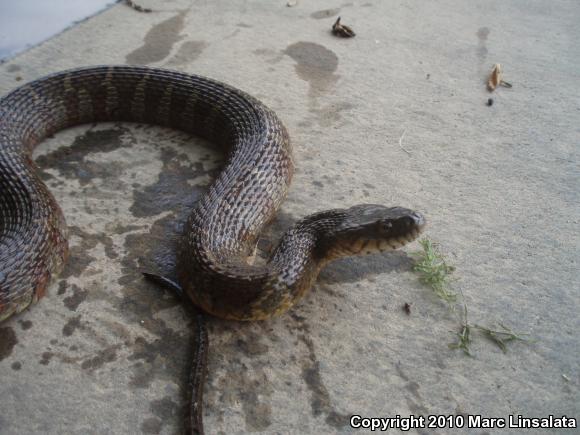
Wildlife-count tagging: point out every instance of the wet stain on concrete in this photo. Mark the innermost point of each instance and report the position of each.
(251, 347)
(165, 410)
(17, 365)
(173, 189)
(151, 426)
(187, 53)
(79, 258)
(158, 41)
(257, 413)
(70, 161)
(245, 382)
(90, 241)
(77, 262)
(73, 301)
(331, 114)
(104, 356)
(482, 34)
(71, 326)
(25, 324)
(325, 13)
(165, 356)
(46, 357)
(7, 341)
(13, 68)
(315, 64)
(320, 402)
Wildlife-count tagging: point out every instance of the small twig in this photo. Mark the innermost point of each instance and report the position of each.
(401, 142)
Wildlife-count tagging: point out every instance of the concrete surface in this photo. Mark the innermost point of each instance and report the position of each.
(106, 352)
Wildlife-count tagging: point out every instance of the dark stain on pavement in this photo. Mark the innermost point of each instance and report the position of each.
(79, 258)
(73, 301)
(482, 34)
(151, 426)
(315, 64)
(187, 53)
(104, 356)
(25, 324)
(165, 410)
(46, 357)
(158, 41)
(320, 402)
(173, 190)
(70, 160)
(240, 355)
(71, 326)
(13, 68)
(7, 341)
(163, 357)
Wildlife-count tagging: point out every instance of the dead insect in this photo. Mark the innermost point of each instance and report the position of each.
(407, 308)
(342, 30)
(490, 102)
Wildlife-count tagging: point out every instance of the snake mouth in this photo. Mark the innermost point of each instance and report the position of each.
(399, 241)
(396, 243)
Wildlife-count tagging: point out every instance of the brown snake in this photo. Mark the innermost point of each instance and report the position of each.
(222, 230)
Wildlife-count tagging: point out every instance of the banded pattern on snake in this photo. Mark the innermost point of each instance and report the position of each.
(221, 231)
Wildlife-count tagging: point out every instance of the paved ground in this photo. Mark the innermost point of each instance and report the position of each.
(106, 352)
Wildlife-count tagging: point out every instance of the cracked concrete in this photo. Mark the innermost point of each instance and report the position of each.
(106, 352)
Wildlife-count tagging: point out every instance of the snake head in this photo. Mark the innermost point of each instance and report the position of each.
(370, 228)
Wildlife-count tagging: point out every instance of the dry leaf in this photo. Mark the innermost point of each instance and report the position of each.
(494, 78)
(342, 30)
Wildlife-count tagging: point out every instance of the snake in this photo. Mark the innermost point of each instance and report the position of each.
(214, 266)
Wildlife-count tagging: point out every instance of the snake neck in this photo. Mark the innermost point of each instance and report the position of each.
(240, 291)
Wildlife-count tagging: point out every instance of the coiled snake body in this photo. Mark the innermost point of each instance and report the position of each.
(221, 231)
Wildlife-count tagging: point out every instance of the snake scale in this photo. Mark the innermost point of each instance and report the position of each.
(222, 230)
